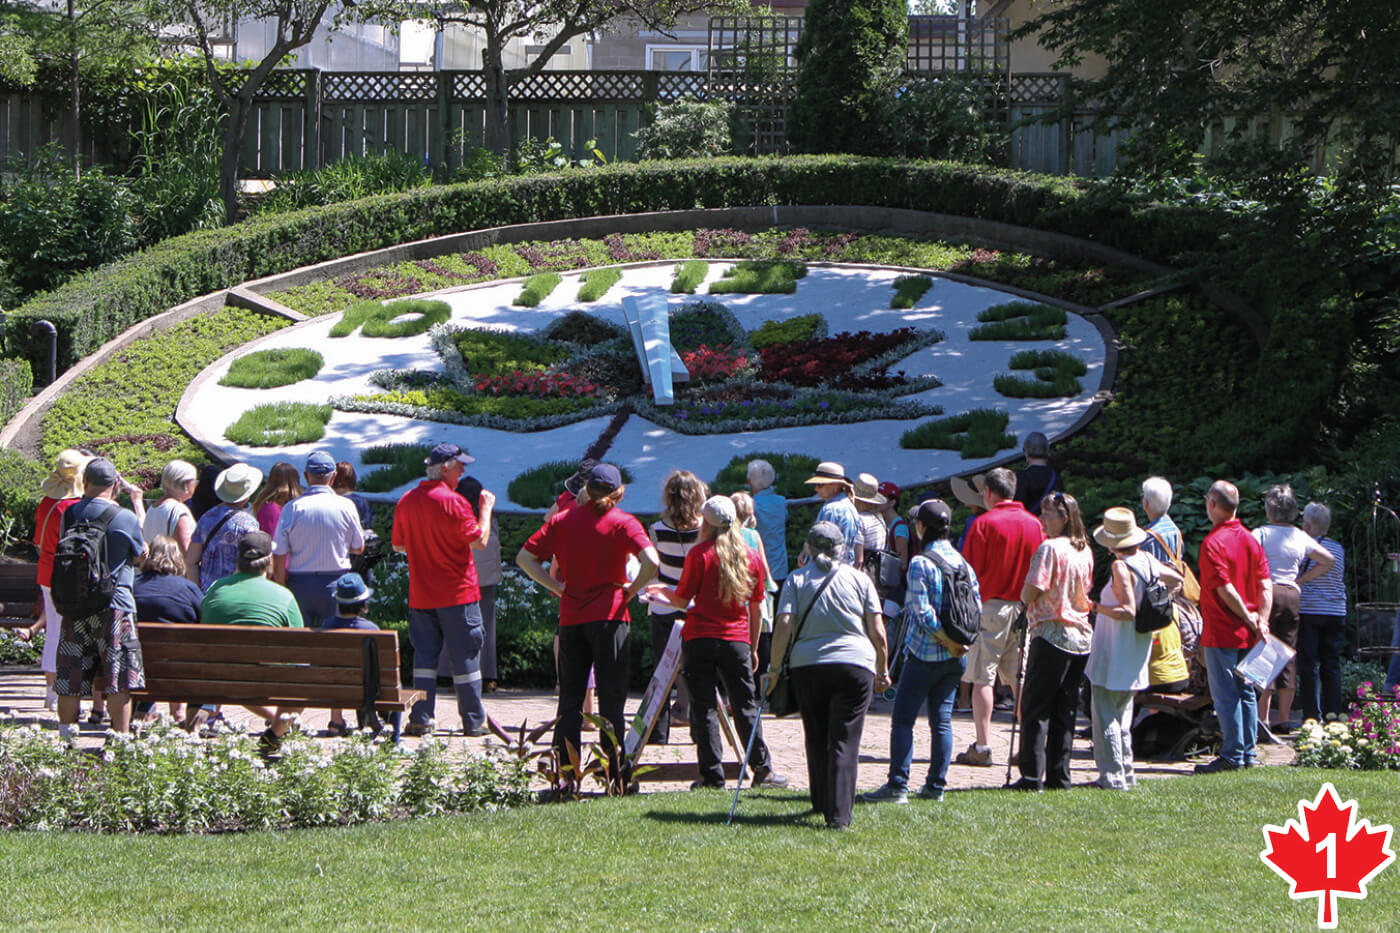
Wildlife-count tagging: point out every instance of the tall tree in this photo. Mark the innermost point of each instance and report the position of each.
(198, 23)
(849, 54)
(555, 22)
(1174, 69)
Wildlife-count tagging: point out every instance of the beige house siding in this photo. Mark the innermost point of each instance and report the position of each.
(1027, 55)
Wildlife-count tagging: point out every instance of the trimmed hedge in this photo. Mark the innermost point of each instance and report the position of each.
(94, 307)
(16, 385)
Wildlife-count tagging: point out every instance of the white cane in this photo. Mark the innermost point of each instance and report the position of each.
(744, 765)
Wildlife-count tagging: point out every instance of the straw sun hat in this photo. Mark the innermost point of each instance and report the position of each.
(1119, 529)
(66, 480)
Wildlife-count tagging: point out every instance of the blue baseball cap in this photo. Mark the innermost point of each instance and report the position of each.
(320, 463)
(350, 589)
(606, 476)
(448, 451)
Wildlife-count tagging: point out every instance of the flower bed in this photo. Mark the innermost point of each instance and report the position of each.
(169, 781)
(267, 369)
(977, 433)
(373, 319)
(843, 360)
(280, 424)
(1368, 740)
(1056, 375)
(1020, 320)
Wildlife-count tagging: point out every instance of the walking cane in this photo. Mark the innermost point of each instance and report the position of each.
(743, 765)
(1024, 625)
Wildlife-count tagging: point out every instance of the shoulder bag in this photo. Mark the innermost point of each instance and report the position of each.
(782, 700)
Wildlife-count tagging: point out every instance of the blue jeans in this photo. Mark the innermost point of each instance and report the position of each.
(458, 629)
(934, 682)
(1319, 660)
(1235, 705)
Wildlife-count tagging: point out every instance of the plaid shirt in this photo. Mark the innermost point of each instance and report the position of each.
(841, 512)
(923, 597)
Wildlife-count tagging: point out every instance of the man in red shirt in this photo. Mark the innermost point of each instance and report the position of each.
(588, 547)
(999, 548)
(1236, 596)
(438, 530)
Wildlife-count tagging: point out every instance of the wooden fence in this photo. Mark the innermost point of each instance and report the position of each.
(307, 119)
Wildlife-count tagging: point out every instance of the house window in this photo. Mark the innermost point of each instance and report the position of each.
(676, 58)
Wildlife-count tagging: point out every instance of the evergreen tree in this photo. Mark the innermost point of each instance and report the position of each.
(849, 56)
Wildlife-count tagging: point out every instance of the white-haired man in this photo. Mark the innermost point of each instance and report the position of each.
(1163, 537)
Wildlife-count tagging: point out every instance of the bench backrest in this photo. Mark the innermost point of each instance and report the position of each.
(264, 665)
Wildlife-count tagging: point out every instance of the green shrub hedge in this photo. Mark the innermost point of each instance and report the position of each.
(16, 385)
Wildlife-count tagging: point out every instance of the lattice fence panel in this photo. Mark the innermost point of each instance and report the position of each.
(940, 44)
(378, 86)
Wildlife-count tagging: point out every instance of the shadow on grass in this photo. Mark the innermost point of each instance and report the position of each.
(791, 801)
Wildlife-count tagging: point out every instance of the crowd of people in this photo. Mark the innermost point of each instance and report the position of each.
(862, 610)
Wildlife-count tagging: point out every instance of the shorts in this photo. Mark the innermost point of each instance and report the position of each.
(1283, 625)
(990, 653)
(104, 643)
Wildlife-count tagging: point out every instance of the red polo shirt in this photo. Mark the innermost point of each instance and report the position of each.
(590, 554)
(48, 521)
(1230, 554)
(436, 527)
(710, 617)
(999, 547)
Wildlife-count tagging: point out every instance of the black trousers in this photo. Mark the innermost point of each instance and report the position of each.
(604, 646)
(832, 699)
(706, 663)
(1320, 653)
(1048, 702)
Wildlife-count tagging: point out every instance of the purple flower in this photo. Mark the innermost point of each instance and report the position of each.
(823, 404)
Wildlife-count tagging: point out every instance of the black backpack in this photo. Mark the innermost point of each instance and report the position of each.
(960, 614)
(82, 582)
(1156, 609)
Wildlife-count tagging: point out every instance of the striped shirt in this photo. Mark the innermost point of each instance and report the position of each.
(671, 546)
(923, 598)
(1165, 529)
(841, 512)
(1327, 595)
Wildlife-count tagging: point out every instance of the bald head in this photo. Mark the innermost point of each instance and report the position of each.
(1223, 501)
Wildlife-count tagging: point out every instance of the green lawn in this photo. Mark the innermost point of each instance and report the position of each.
(1177, 855)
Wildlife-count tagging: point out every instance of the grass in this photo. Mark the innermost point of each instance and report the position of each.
(401, 464)
(378, 320)
(539, 486)
(280, 424)
(791, 470)
(689, 275)
(977, 433)
(537, 288)
(267, 369)
(1020, 320)
(760, 277)
(790, 330)
(908, 289)
(1179, 855)
(495, 353)
(1056, 375)
(596, 283)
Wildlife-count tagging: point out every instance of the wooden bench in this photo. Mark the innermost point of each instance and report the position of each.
(19, 587)
(257, 665)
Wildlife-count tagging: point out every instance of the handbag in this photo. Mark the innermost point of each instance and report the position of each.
(782, 699)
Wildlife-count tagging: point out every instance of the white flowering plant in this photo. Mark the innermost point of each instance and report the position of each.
(167, 780)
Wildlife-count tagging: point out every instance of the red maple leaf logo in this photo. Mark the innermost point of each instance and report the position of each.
(1335, 858)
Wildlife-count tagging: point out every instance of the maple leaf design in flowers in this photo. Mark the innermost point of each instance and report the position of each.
(1326, 853)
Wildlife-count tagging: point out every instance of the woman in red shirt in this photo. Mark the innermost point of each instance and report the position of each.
(724, 578)
(587, 548)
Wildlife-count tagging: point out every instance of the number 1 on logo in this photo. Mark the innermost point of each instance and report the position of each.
(1329, 843)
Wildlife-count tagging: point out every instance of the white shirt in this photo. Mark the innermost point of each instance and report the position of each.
(1285, 547)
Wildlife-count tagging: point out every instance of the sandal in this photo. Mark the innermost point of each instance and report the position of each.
(95, 718)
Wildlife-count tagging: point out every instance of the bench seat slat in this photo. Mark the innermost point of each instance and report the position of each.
(235, 635)
(336, 656)
(270, 673)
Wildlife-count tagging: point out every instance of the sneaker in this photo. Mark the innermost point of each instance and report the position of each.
(1217, 766)
(416, 730)
(1025, 785)
(767, 777)
(95, 718)
(981, 758)
(886, 793)
(68, 734)
(269, 745)
(929, 792)
(703, 784)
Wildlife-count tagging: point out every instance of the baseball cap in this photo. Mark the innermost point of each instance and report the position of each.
(254, 545)
(448, 451)
(933, 514)
(605, 475)
(100, 472)
(320, 463)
